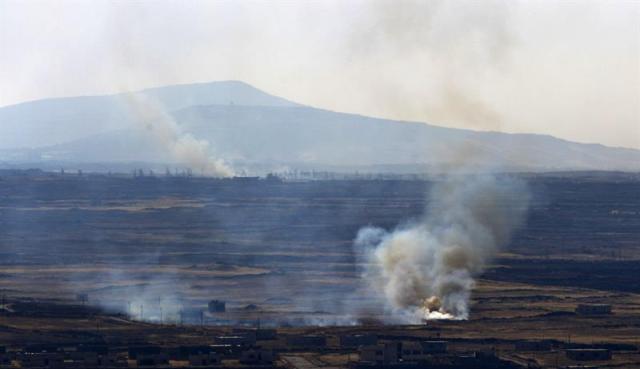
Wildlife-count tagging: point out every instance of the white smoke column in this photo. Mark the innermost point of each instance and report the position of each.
(425, 270)
(183, 147)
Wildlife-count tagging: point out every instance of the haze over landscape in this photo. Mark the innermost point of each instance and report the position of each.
(363, 184)
(566, 69)
(249, 127)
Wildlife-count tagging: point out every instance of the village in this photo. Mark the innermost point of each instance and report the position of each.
(79, 336)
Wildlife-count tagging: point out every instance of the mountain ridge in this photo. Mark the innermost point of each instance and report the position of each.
(32, 124)
(244, 124)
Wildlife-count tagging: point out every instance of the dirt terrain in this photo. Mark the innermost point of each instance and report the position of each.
(281, 253)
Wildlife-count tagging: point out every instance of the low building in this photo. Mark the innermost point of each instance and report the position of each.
(412, 352)
(379, 354)
(191, 316)
(434, 347)
(257, 356)
(95, 360)
(41, 360)
(203, 358)
(236, 340)
(226, 350)
(217, 306)
(588, 354)
(420, 351)
(357, 340)
(307, 342)
(593, 309)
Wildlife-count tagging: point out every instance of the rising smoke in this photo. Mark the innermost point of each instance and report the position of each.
(155, 297)
(183, 147)
(455, 50)
(425, 270)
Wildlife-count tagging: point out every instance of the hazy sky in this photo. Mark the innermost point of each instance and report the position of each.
(569, 69)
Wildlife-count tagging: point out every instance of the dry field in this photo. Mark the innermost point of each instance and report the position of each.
(282, 253)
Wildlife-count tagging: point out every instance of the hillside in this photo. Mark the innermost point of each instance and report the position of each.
(245, 125)
(55, 121)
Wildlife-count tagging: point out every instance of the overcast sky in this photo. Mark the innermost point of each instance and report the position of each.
(569, 69)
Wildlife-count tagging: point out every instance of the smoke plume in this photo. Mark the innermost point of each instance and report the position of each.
(453, 48)
(425, 270)
(182, 146)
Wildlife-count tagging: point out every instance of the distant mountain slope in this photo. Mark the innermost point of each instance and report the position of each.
(245, 125)
(304, 134)
(214, 93)
(53, 121)
(289, 135)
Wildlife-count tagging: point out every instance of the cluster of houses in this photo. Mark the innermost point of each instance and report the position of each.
(55, 356)
(395, 352)
(240, 345)
(575, 354)
(243, 347)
